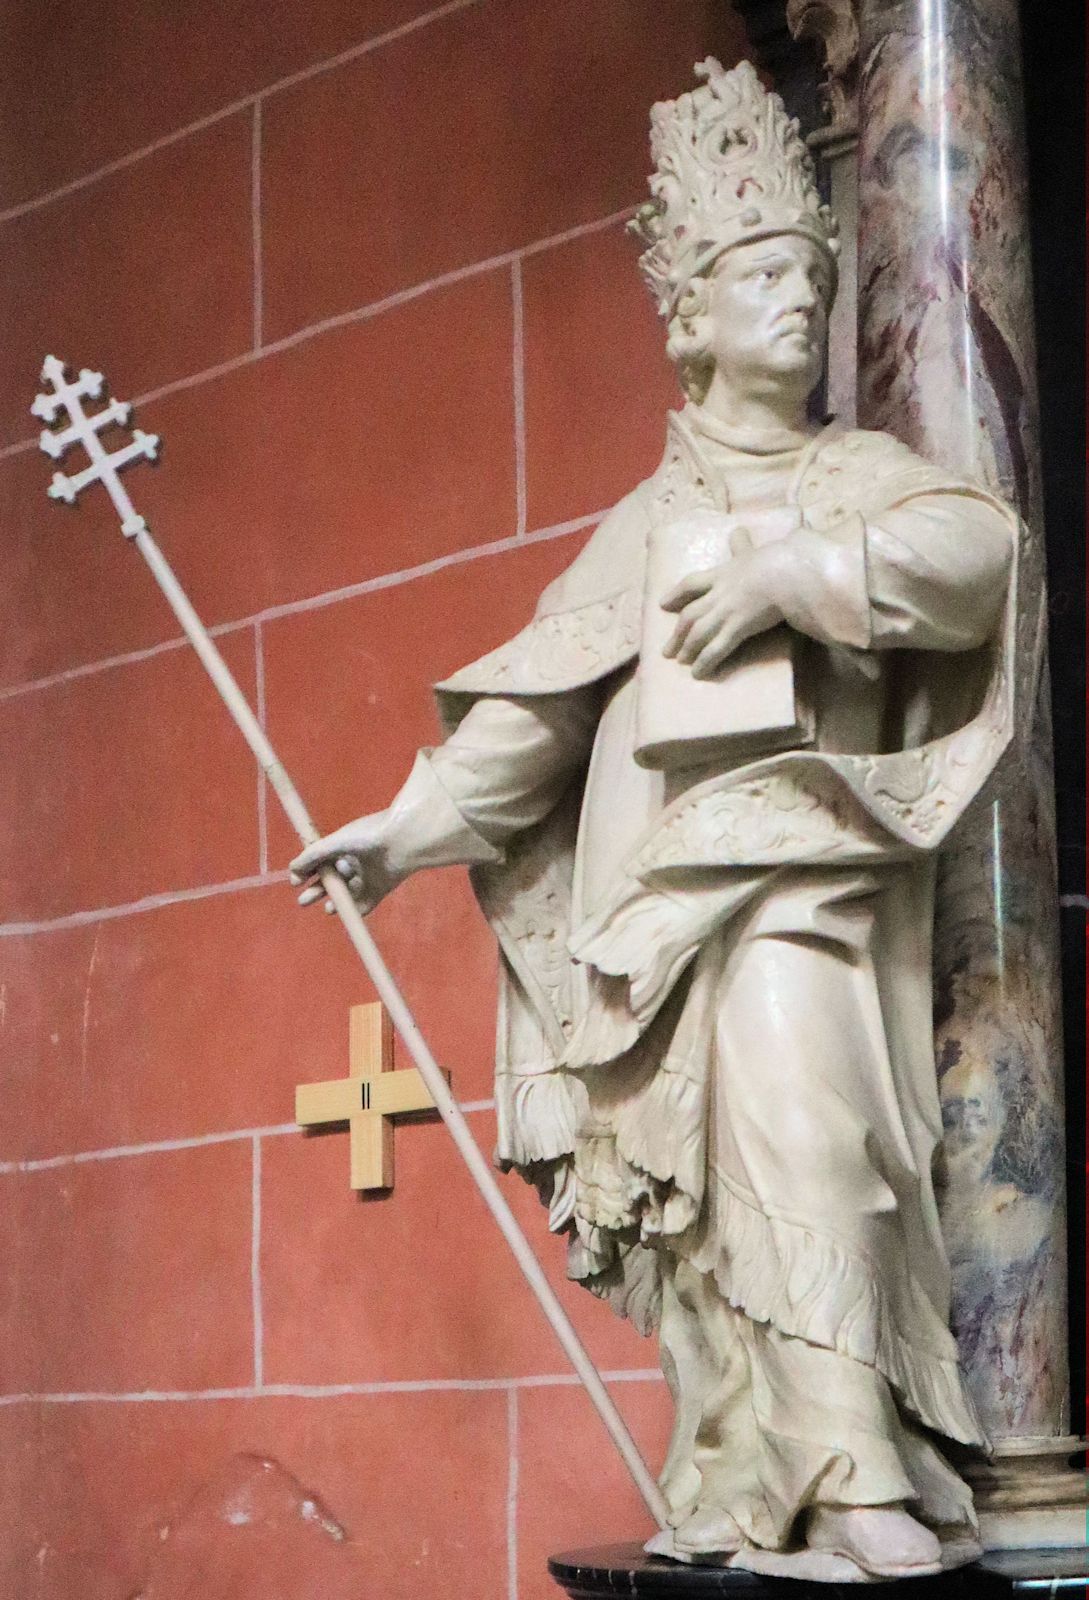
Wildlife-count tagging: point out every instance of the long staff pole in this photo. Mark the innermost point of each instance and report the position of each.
(105, 470)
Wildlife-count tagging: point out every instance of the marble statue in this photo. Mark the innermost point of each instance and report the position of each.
(700, 795)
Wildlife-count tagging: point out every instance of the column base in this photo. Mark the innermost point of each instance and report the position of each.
(1030, 1497)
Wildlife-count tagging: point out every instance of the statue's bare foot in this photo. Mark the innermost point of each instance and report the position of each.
(709, 1531)
(884, 1540)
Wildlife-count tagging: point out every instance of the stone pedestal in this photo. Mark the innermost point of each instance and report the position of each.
(624, 1570)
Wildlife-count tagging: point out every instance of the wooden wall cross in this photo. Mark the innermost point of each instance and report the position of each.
(367, 1099)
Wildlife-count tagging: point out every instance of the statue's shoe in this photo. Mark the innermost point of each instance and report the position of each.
(884, 1541)
(708, 1531)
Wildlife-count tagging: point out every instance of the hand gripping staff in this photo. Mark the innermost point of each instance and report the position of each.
(105, 466)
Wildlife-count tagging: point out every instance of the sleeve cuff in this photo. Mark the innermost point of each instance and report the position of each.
(822, 588)
(424, 828)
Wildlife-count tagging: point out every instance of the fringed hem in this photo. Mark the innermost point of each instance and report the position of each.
(639, 1170)
(538, 1115)
(810, 1287)
(630, 1280)
(659, 1134)
(608, 1027)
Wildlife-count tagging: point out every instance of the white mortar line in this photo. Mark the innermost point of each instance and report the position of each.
(85, 1031)
(255, 227)
(70, 674)
(276, 1130)
(456, 558)
(151, 1148)
(1081, 901)
(581, 230)
(151, 902)
(125, 1397)
(329, 1391)
(126, 658)
(18, 449)
(512, 1494)
(255, 1270)
(193, 380)
(542, 1380)
(378, 42)
(241, 104)
(317, 602)
(262, 782)
(519, 361)
(401, 297)
(121, 163)
(365, 313)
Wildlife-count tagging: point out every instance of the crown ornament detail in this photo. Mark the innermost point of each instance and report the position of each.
(731, 167)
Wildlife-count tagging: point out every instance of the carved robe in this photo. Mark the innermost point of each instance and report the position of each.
(714, 1051)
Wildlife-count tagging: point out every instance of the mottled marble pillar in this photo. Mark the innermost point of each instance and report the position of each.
(947, 362)
(833, 26)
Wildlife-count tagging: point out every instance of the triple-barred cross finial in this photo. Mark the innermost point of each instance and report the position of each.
(86, 429)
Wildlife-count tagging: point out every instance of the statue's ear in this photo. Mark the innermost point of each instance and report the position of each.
(695, 303)
(689, 326)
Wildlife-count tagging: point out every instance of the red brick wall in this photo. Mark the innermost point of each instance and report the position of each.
(362, 267)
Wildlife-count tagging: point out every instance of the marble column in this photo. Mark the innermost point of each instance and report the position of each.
(946, 361)
(833, 26)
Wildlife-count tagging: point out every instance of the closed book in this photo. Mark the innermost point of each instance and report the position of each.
(755, 703)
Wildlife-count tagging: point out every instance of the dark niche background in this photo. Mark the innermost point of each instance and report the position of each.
(1054, 53)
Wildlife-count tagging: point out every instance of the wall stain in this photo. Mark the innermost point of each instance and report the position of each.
(252, 1531)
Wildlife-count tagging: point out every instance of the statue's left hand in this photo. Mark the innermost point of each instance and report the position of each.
(359, 853)
(722, 607)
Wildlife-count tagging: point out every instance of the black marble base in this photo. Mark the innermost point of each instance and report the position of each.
(623, 1569)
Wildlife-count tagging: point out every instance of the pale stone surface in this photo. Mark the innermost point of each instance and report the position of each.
(1037, 1527)
(756, 703)
(714, 1056)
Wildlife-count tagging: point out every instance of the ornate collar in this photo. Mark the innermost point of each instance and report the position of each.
(750, 441)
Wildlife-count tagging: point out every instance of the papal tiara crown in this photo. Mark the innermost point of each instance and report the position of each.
(731, 167)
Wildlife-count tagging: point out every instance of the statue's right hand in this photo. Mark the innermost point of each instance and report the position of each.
(358, 853)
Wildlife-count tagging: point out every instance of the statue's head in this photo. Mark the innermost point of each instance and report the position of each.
(739, 239)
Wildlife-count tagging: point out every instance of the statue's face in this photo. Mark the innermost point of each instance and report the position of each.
(769, 305)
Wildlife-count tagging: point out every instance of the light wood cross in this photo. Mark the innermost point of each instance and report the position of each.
(367, 1099)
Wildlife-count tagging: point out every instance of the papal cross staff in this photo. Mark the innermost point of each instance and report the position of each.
(105, 467)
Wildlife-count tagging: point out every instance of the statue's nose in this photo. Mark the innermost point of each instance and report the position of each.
(804, 293)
